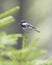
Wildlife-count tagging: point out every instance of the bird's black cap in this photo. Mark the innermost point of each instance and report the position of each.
(23, 21)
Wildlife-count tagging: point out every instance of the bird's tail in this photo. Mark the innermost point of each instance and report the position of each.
(36, 29)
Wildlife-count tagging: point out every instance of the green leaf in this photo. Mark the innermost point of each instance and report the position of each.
(6, 21)
(9, 12)
(9, 39)
(33, 55)
(2, 34)
(24, 41)
(13, 36)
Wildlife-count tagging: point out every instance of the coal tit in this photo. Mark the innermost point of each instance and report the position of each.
(27, 26)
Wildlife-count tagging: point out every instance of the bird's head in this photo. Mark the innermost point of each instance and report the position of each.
(23, 21)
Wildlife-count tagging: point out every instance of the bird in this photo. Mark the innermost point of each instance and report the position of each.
(27, 26)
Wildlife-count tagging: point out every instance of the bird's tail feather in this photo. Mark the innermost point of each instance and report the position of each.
(37, 30)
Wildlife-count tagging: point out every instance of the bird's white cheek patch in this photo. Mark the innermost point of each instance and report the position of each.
(24, 23)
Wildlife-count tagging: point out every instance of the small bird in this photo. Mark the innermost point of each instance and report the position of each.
(27, 26)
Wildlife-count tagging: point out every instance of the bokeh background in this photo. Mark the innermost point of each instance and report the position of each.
(36, 12)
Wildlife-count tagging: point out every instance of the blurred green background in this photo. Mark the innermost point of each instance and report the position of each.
(36, 12)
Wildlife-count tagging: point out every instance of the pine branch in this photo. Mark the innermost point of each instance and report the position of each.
(6, 21)
(9, 12)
